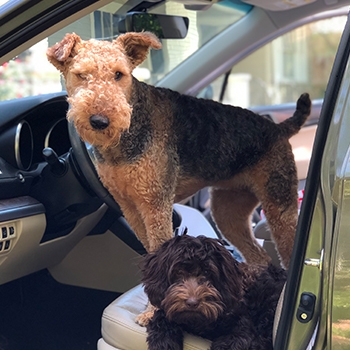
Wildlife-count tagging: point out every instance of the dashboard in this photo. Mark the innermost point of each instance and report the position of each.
(43, 194)
(31, 126)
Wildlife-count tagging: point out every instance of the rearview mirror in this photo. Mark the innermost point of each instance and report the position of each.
(163, 26)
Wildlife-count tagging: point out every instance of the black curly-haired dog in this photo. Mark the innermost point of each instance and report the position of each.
(199, 287)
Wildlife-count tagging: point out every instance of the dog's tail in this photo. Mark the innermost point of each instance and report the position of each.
(292, 125)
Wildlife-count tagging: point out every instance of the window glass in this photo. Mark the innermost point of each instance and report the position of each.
(31, 74)
(280, 71)
(204, 25)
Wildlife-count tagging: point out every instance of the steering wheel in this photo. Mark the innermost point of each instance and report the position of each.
(83, 159)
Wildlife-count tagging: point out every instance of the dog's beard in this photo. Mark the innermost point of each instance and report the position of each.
(192, 304)
(86, 103)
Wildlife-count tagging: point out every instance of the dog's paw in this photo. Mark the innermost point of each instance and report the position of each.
(145, 316)
(304, 103)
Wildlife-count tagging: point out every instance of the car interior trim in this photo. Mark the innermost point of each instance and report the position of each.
(20, 207)
(24, 145)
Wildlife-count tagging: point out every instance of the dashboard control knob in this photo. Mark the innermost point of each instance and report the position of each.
(56, 164)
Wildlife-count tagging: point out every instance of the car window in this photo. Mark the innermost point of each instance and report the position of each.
(298, 61)
(30, 73)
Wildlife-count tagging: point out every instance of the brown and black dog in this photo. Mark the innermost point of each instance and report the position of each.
(155, 146)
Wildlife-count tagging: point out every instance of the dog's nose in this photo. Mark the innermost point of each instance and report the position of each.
(192, 302)
(99, 122)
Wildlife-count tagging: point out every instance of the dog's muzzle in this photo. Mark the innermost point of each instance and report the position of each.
(99, 122)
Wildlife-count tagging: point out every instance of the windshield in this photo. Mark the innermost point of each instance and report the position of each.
(30, 74)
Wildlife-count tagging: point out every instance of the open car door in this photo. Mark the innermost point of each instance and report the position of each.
(316, 314)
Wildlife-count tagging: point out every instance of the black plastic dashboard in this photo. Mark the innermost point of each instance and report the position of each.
(28, 125)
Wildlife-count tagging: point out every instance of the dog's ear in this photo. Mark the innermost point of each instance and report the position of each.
(229, 278)
(231, 275)
(59, 53)
(137, 45)
(155, 270)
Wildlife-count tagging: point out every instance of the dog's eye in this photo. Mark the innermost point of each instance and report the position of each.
(118, 76)
(82, 76)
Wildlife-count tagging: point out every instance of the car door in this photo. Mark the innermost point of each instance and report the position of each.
(316, 312)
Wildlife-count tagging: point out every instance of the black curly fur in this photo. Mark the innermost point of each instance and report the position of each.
(244, 296)
(195, 126)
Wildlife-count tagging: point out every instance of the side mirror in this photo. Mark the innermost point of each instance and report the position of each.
(163, 26)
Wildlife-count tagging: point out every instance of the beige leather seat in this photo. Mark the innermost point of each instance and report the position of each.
(120, 332)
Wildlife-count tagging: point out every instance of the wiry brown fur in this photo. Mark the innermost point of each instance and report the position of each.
(199, 287)
(155, 146)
